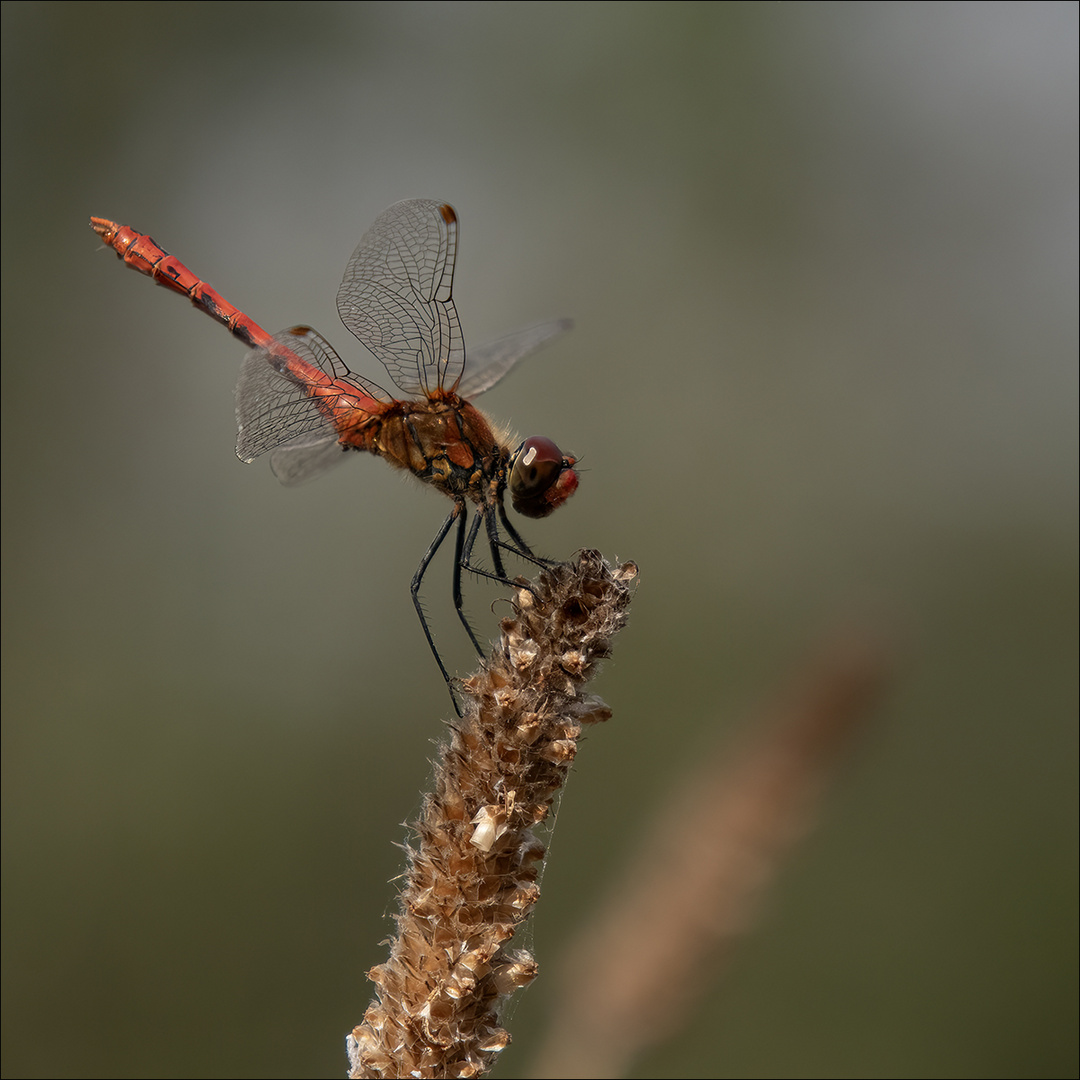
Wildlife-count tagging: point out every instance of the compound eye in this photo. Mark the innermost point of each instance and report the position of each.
(541, 478)
(537, 465)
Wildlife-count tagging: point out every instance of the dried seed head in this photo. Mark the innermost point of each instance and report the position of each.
(472, 877)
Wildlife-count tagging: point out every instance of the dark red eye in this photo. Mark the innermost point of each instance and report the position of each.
(541, 478)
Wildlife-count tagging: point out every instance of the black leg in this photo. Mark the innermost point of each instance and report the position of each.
(457, 514)
(464, 543)
(515, 536)
(474, 531)
(461, 549)
(519, 547)
(484, 516)
(495, 542)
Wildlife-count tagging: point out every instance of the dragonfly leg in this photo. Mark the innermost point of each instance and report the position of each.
(461, 547)
(495, 541)
(515, 536)
(518, 545)
(458, 515)
(484, 513)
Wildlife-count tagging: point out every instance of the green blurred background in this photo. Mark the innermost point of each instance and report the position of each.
(822, 263)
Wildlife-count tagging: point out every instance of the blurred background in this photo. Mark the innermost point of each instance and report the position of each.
(822, 262)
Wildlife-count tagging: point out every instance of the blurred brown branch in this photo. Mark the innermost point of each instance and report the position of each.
(633, 975)
(472, 876)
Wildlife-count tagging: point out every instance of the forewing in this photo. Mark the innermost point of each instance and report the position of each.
(490, 362)
(396, 295)
(274, 402)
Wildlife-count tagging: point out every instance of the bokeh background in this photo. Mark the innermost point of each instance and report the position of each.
(822, 260)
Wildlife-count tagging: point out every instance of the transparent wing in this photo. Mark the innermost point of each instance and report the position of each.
(303, 460)
(490, 362)
(396, 295)
(276, 399)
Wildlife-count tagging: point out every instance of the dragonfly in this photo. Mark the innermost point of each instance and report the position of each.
(298, 402)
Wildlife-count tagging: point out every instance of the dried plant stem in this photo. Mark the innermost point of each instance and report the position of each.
(631, 978)
(472, 876)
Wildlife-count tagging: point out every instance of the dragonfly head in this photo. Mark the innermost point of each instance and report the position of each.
(541, 477)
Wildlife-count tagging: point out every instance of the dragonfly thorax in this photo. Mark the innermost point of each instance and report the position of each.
(443, 441)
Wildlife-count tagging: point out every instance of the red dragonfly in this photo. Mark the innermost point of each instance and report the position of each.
(298, 402)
